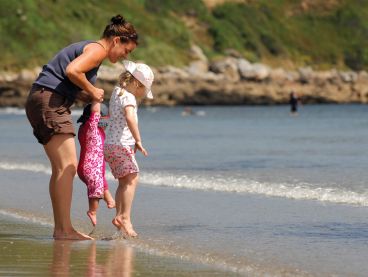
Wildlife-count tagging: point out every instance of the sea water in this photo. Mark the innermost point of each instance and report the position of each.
(250, 189)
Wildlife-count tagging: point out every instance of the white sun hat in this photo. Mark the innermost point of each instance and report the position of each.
(143, 73)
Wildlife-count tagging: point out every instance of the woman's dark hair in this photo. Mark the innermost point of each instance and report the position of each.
(85, 115)
(119, 27)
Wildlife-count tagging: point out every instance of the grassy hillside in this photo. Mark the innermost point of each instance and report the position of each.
(321, 33)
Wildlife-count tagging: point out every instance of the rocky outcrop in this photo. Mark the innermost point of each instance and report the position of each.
(231, 81)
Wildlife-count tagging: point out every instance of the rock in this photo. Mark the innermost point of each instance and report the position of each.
(196, 53)
(255, 72)
(306, 75)
(8, 76)
(232, 53)
(231, 81)
(244, 67)
(171, 72)
(363, 75)
(348, 77)
(228, 67)
(197, 68)
(199, 63)
(278, 75)
(28, 75)
(109, 73)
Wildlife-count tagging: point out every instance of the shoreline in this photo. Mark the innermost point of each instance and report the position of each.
(21, 250)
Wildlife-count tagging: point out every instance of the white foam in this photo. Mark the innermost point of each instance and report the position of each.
(232, 185)
(11, 110)
(39, 168)
(293, 191)
(22, 216)
(21, 111)
(77, 112)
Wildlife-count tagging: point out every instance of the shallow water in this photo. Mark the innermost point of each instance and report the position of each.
(23, 253)
(248, 190)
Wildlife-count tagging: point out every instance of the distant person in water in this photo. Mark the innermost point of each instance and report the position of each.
(187, 111)
(71, 74)
(294, 102)
(91, 166)
(122, 135)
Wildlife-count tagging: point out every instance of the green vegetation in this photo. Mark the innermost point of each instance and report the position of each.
(278, 32)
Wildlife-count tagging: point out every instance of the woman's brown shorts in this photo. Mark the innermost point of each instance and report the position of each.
(49, 113)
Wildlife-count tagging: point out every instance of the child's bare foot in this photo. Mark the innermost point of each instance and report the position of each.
(125, 226)
(109, 199)
(92, 216)
(72, 235)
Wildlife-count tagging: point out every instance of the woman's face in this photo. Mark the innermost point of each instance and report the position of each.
(120, 50)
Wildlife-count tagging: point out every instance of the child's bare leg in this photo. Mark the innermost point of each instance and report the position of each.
(109, 199)
(92, 211)
(124, 199)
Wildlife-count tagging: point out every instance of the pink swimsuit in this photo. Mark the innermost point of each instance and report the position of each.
(91, 166)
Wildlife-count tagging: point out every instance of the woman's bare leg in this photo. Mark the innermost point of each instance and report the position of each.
(62, 154)
(124, 200)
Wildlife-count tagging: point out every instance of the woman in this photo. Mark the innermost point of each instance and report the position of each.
(61, 81)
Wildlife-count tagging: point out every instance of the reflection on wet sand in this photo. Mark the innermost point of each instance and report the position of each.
(61, 258)
(120, 261)
(116, 260)
(93, 267)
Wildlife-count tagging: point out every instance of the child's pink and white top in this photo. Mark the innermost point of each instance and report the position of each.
(118, 132)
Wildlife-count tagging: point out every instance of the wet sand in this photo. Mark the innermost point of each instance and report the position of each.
(27, 250)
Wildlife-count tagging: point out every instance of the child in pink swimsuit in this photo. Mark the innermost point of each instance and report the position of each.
(91, 166)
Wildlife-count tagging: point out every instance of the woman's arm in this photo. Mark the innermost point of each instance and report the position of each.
(91, 57)
(133, 127)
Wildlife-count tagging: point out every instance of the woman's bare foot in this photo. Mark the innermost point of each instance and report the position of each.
(93, 217)
(125, 226)
(71, 235)
(109, 199)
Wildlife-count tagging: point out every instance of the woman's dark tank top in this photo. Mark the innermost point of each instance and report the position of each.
(53, 73)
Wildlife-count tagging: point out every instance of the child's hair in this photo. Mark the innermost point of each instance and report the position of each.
(104, 111)
(126, 78)
(85, 115)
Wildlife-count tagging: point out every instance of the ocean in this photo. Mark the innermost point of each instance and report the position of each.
(229, 190)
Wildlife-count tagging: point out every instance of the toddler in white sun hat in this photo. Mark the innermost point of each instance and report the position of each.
(123, 138)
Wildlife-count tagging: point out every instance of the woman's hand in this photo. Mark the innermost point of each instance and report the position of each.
(98, 95)
(138, 146)
(84, 97)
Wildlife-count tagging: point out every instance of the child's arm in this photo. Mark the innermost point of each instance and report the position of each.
(92, 121)
(133, 127)
(95, 107)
